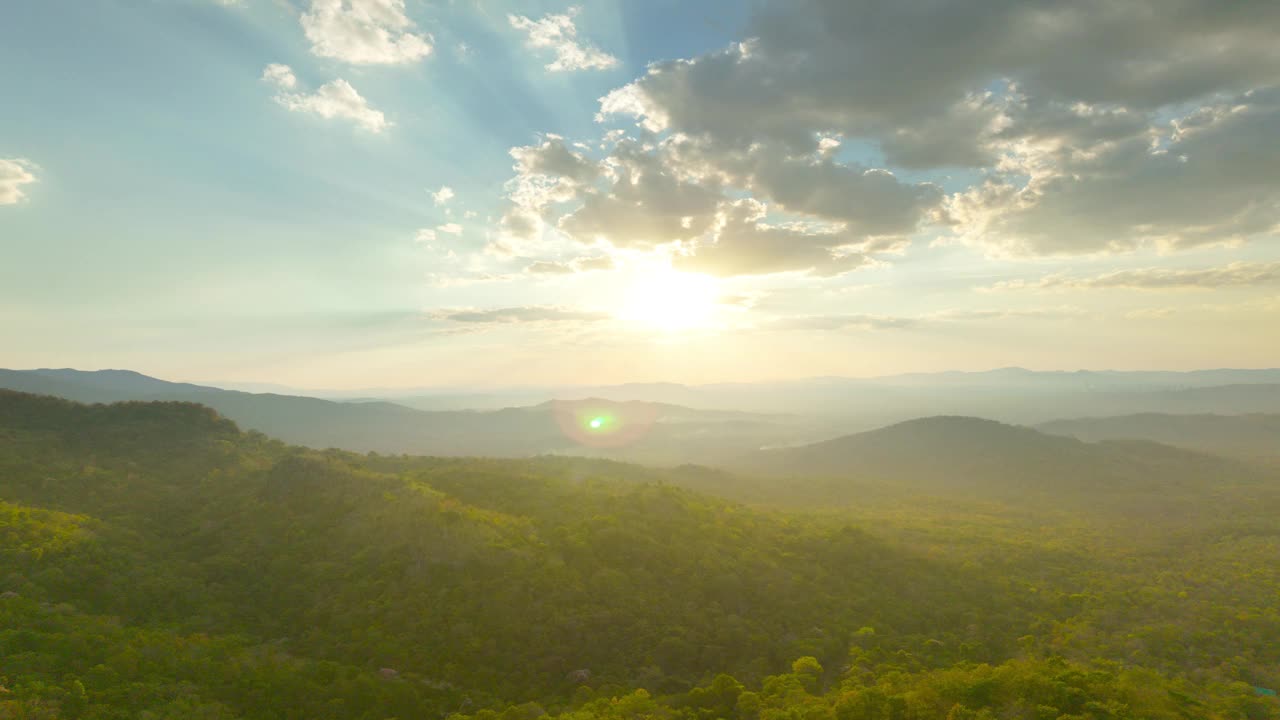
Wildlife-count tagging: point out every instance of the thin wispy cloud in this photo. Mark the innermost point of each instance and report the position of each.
(1237, 274)
(522, 314)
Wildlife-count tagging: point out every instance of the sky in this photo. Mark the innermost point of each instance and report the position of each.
(361, 193)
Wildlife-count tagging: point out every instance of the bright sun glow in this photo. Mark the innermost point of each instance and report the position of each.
(671, 301)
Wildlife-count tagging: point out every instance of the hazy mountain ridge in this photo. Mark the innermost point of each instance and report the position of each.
(1252, 435)
(972, 457)
(672, 434)
(724, 421)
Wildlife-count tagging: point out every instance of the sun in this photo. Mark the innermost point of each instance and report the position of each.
(671, 301)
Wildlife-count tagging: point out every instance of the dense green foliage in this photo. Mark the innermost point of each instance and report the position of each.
(157, 562)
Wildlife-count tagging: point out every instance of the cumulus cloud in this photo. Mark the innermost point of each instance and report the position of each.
(364, 32)
(1208, 178)
(643, 204)
(521, 314)
(743, 245)
(14, 173)
(443, 195)
(334, 99)
(680, 191)
(559, 34)
(871, 69)
(1237, 274)
(451, 228)
(1078, 151)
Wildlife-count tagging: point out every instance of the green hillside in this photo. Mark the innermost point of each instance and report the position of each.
(160, 563)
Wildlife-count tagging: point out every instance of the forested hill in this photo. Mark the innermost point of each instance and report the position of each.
(160, 563)
(484, 578)
(982, 459)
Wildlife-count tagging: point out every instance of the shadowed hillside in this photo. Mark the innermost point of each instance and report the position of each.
(986, 460)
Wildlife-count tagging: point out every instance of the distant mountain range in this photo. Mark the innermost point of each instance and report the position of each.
(971, 458)
(1009, 394)
(717, 424)
(656, 432)
(1247, 436)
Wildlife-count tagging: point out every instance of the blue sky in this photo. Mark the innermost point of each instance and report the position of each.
(169, 205)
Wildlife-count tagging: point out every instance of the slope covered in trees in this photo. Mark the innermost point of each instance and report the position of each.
(158, 562)
(967, 457)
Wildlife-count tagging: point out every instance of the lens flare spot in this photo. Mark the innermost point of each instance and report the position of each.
(596, 423)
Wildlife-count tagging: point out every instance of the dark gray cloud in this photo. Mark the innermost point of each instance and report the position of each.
(1209, 180)
(1067, 106)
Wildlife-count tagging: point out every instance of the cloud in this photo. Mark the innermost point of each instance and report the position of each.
(443, 195)
(973, 314)
(14, 173)
(334, 99)
(679, 191)
(1237, 274)
(577, 265)
(522, 314)
(545, 174)
(891, 322)
(549, 267)
(558, 33)
(451, 228)
(1206, 178)
(364, 32)
(841, 322)
(1076, 147)
(743, 245)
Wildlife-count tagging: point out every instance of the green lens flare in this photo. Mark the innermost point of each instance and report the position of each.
(596, 423)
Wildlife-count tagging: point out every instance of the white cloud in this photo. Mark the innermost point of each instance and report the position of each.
(281, 76)
(558, 33)
(14, 173)
(451, 228)
(364, 32)
(443, 195)
(425, 235)
(334, 99)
